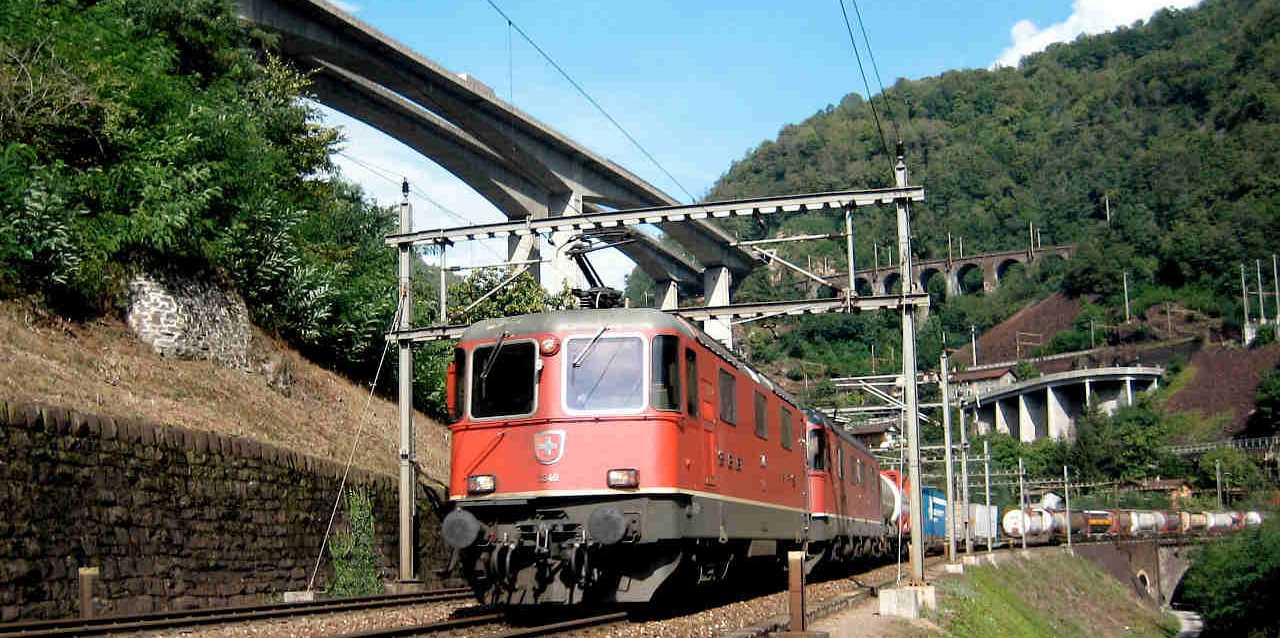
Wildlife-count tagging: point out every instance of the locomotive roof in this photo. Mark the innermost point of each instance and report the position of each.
(617, 319)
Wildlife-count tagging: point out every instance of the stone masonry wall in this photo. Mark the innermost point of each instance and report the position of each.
(174, 518)
(189, 318)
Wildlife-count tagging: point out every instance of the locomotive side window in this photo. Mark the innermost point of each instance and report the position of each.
(690, 382)
(817, 450)
(666, 372)
(786, 433)
(840, 461)
(459, 388)
(503, 381)
(604, 374)
(762, 425)
(858, 480)
(728, 398)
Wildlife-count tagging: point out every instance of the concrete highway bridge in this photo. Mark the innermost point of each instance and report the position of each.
(1049, 405)
(525, 168)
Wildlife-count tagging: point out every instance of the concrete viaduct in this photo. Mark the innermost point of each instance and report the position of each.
(993, 266)
(1049, 405)
(523, 167)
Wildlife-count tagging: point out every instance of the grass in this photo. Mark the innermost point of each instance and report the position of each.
(1052, 595)
(99, 367)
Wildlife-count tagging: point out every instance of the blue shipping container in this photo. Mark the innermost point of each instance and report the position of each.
(935, 512)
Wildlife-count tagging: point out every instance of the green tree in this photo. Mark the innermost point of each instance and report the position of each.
(1234, 583)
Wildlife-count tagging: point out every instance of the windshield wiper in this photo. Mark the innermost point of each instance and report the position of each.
(492, 359)
(577, 362)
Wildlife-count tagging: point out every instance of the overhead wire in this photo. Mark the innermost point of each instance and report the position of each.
(390, 176)
(875, 113)
(565, 74)
(857, 12)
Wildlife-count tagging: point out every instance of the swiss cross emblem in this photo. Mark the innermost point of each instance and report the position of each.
(548, 446)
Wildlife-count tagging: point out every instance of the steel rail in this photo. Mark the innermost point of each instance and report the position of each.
(103, 625)
(463, 623)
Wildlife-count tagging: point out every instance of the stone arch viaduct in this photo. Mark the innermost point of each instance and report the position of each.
(993, 266)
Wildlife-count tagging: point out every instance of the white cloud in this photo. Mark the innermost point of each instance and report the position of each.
(1087, 17)
(349, 7)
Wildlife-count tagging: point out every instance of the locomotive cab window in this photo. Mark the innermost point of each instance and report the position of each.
(786, 433)
(840, 461)
(690, 382)
(858, 476)
(817, 450)
(604, 374)
(666, 372)
(503, 379)
(728, 398)
(458, 385)
(762, 425)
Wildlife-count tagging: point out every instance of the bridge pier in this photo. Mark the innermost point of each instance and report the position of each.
(669, 293)
(952, 276)
(717, 281)
(1060, 426)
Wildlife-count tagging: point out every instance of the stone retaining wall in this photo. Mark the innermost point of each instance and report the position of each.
(174, 518)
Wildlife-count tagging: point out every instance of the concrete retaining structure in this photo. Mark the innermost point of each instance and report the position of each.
(189, 318)
(174, 518)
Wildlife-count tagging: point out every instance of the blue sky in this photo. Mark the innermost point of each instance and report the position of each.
(698, 83)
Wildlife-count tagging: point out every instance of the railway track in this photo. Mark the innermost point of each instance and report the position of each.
(106, 625)
(453, 625)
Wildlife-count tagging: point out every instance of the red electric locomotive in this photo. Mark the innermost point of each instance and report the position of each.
(598, 454)
(850, 516)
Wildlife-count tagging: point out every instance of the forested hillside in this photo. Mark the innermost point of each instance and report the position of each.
(166, 135)
(1175, 121)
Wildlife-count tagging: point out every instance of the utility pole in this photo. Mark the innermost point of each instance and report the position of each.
(1262, 307)
(848, 243)
(911, 411)
(973, 342)
(1275, 279)
(943, 373)
(964, 481)
(875, 250)
(1022, 502)
(1244, 293)
(1066, 494)
(1092, 344)
(1126, 296)
(950, 257)
(1217, 471)
(408, 458)
(1106, 199)
(986, 513)
(962, 247)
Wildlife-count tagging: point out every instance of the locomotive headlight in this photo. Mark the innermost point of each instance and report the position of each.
(481, 484)
(623, 478)
(549, 346)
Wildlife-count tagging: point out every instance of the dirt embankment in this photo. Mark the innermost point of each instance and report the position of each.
(283, 399)
(1223, 384)
(1039, 321)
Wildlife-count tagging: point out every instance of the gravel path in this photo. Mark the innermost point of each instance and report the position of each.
(324, 624)
(720, 619)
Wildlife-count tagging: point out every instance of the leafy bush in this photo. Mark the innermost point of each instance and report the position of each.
(355, 569)
(1234, 583)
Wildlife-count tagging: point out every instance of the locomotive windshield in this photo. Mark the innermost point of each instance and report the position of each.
(609, 376)
(508, 387)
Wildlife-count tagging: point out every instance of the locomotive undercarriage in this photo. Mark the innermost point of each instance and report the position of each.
(609, 549)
